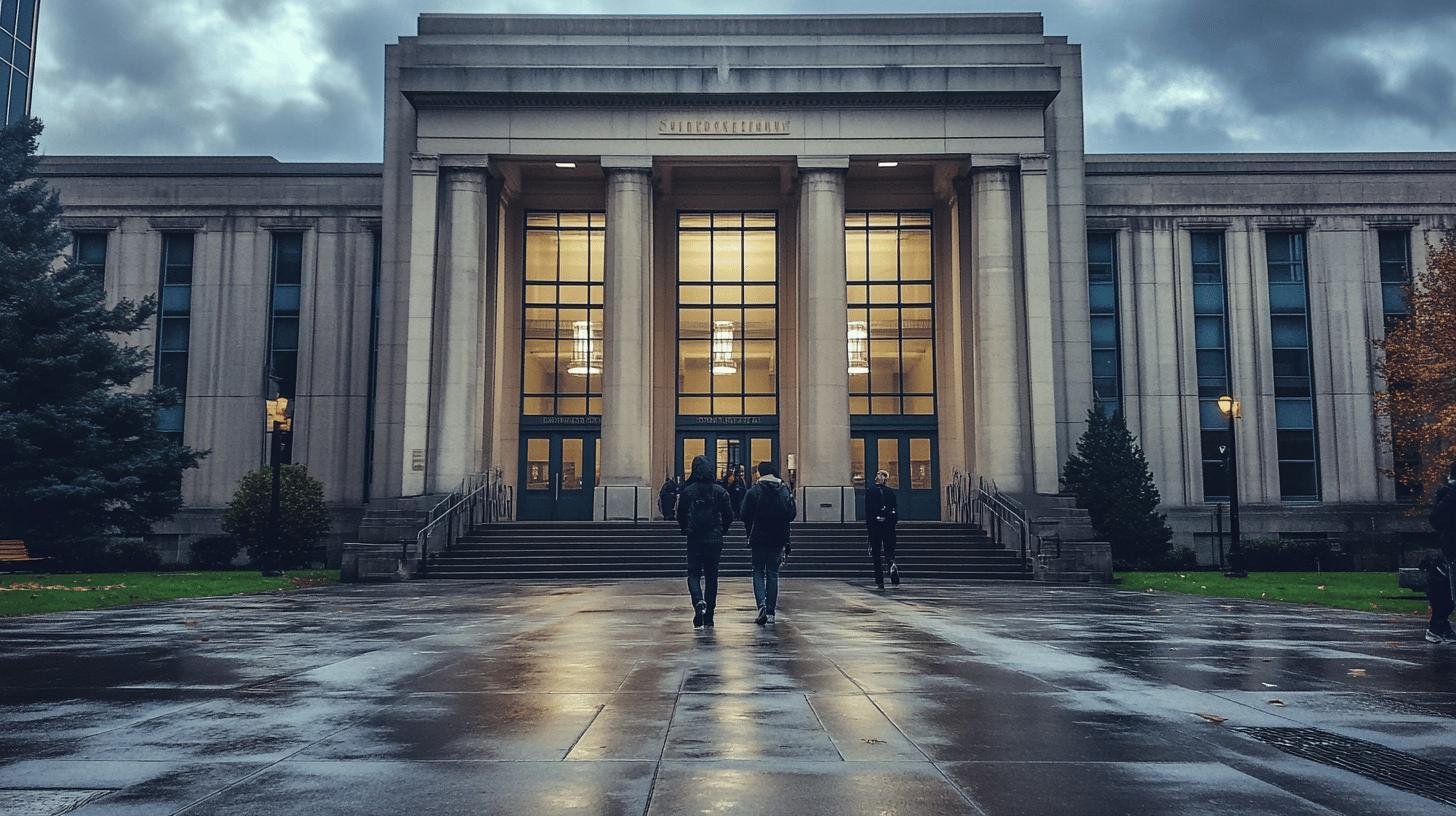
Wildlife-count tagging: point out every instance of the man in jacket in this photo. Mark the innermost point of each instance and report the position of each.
(880, 517)
(768, 507)
(704, 515)
(667, 498)
(1439, 588)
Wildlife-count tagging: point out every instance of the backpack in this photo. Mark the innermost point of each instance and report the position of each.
(775, 507)
(1443, 511)
(703, 518)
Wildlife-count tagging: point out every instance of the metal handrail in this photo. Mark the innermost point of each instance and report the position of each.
(1002, 516)
(453, 515)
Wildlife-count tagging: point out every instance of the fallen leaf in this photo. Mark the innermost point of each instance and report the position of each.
(1263, 595)
(1356, 672)
(205, 638)
(1269, 685)
(872, 741)
(1320, 587)
(189, 623)
(1214, 718)
(1279, 703)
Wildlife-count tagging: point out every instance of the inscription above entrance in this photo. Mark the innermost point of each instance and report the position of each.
(722, 126)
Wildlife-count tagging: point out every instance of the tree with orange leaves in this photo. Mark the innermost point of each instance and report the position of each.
(1418, 365)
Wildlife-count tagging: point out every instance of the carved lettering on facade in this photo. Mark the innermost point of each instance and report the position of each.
(722, 126)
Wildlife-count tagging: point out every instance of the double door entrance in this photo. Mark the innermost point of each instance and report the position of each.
(910, 460)
(559, 474)
(728, 448)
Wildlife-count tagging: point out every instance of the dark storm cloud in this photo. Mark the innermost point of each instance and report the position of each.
(131, 76)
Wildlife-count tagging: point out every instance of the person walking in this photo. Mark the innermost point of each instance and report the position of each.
(733, 483)
(881, 514)
(1439, 583)
(768, 507)
(704, 514)
(667, 498)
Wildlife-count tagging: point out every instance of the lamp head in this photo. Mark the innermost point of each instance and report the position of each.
(1230, 407)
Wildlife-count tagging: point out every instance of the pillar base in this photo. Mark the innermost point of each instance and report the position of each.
(624, 502)
(831, 504)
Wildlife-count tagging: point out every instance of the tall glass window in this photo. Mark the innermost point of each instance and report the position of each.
(91, 254)
(727, 315)
(283, 329)
(1210, 331)
(1294, 412)
(17, 56)
(891, 313)
(1395, 276)
(1102, 297)
(174, 326)
(562, 330)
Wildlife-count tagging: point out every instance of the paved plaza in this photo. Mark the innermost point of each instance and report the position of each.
(492, 697)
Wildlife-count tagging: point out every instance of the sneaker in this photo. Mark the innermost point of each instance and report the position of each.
(708, 619)
(770, 618)
(1432, 637)
(894, 573)
(879, 584)
(762, 616)
(699, 611)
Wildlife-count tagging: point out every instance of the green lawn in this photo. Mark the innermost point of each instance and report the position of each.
(35, 593)
(1368, 591)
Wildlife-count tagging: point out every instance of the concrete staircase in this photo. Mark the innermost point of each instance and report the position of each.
(589, 550)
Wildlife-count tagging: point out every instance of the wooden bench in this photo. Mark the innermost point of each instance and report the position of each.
(12, 550)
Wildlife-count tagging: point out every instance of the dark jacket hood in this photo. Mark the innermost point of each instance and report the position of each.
(702, 469)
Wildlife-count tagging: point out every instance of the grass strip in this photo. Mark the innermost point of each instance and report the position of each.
(39, 593)
(1366, 591)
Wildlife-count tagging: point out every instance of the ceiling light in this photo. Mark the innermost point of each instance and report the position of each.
(566, 165)
(889, 164)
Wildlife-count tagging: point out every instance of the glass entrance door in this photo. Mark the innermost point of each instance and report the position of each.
(558, 475)
(727, 449)
(909, 458)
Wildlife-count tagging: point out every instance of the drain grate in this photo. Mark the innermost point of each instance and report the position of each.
(1371, 760)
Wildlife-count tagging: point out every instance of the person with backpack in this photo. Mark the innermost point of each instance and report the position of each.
(768, 507)
(881, 514)
(1439, 583)
(704, 514)
(667, 497)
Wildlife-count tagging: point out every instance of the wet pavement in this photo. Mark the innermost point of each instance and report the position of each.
(544, 698)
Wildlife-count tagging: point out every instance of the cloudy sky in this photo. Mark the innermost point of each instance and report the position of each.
(302, 79)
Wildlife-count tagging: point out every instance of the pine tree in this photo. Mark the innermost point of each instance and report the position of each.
(1113, 482)
(82, 458)
(1419, 365)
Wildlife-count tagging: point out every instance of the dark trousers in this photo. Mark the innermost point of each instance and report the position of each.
(703, 573)
(882, 546)
(1438, 593)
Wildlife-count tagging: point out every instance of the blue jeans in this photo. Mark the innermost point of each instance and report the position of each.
(766, 577)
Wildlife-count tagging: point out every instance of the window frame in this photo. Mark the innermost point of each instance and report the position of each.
(595, 224)
(868, 304)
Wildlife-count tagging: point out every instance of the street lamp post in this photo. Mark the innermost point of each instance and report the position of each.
(281, 421)
(1230, 408)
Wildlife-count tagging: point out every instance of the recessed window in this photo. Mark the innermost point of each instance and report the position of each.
(1102, 300)
(891, 321)
(562, 329)
(1294, 413)
(90, 249)
(1210, 332)
(174, 327)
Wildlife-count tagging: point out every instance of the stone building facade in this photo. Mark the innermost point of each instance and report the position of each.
(598, 246)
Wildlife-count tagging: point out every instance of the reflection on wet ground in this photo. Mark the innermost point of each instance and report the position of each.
(547, 698)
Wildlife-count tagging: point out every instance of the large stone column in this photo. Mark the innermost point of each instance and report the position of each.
(823, 341)
(1001, 434)
(1040, 363)
(627, 343)
(455, 441)
(419, 335)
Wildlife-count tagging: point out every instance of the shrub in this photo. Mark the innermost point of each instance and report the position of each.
(130, 555)
(303, 517)
(215, 552)
(1286, 555)
(1180, 559)
(1112, 481)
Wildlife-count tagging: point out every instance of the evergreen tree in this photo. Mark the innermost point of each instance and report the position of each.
(1112, 481)
(82, 457)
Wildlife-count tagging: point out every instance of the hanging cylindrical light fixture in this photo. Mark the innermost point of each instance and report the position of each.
(586, 353)
(723, 361)
(859, 347)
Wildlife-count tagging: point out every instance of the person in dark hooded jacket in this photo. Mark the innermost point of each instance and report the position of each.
(667, 498)
(704, 514)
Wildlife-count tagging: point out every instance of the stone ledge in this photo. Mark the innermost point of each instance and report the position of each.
(363, 562)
